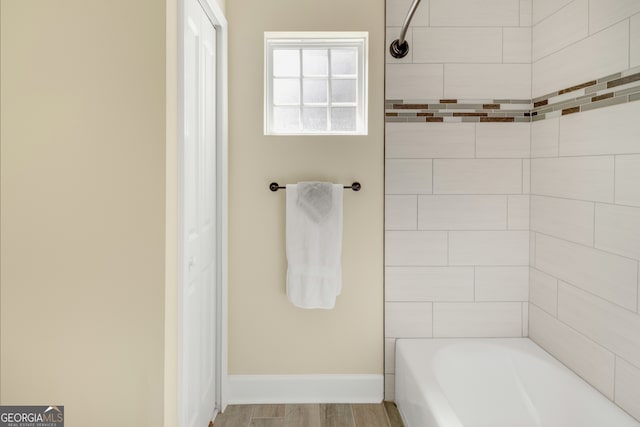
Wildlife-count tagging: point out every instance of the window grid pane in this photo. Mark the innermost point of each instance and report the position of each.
(315, 91)
(286, 91)
(315, 62)
(285, 63)
(327, 82)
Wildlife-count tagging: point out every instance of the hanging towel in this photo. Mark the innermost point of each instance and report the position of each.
(314, 244)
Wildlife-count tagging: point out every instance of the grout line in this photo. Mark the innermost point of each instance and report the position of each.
(593, 295)
(583, 200)
(514, 194)
(577, 156)
(601, 346)
(587, 246)
(545, 311)
(578, 41)
(461, 301)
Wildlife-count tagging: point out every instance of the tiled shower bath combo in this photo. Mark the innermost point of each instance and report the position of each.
(513, 181)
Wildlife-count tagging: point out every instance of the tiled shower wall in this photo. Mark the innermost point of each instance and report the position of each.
(585, 193)
(454, 263)
(457, 204)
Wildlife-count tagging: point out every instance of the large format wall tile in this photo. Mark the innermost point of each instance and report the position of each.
(408, 320)
(416, 248)
(516, 45)
(462, 212)
(610, 325)
(543, 291)
(414, 81)
(487, 81)
(589, 360)
(477, 176)
(566, 26)
(609, 276)
(603, 13)
(485, 13)
(634, 61)
(611, 130)
(502, 284)
(627, 179)
(628, 387)
(545, 8)
(601, 54)
(544, 138)
(618, 229)
(461, 45)
(488, 319)
(518, 212)
(430, 140)
(401, 212)
(408, 176)
(504, 248)
(498, 140)
(429, 284)
(563, 218)
(585, 178)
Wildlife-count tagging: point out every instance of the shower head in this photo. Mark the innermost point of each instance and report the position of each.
(399, 47)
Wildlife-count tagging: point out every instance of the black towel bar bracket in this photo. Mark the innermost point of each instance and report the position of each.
(274, 186)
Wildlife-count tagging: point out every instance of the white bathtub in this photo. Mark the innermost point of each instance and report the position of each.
(508, 382)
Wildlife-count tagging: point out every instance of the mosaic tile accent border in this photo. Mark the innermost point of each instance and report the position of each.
(458, 110)
(615, 89)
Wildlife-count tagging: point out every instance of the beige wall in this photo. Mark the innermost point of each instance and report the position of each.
(82, 208)
(267, 335)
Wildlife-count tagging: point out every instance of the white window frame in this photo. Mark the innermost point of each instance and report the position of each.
(328, 40)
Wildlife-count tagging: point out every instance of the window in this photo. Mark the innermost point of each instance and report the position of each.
(315, 83)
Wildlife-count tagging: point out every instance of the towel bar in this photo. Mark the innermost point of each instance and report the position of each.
(274, 186)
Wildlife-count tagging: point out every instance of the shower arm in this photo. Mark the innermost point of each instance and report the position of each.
(399, 47)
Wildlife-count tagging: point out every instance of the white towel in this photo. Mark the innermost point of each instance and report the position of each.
(314, 244)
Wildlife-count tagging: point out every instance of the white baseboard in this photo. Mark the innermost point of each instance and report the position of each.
(256, 389)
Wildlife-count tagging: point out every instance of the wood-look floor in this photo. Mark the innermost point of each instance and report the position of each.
(321, 415)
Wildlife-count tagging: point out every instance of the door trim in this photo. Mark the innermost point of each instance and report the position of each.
(173, 273)
(215, 14)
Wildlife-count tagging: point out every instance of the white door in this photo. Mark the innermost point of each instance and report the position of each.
(199, 270)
